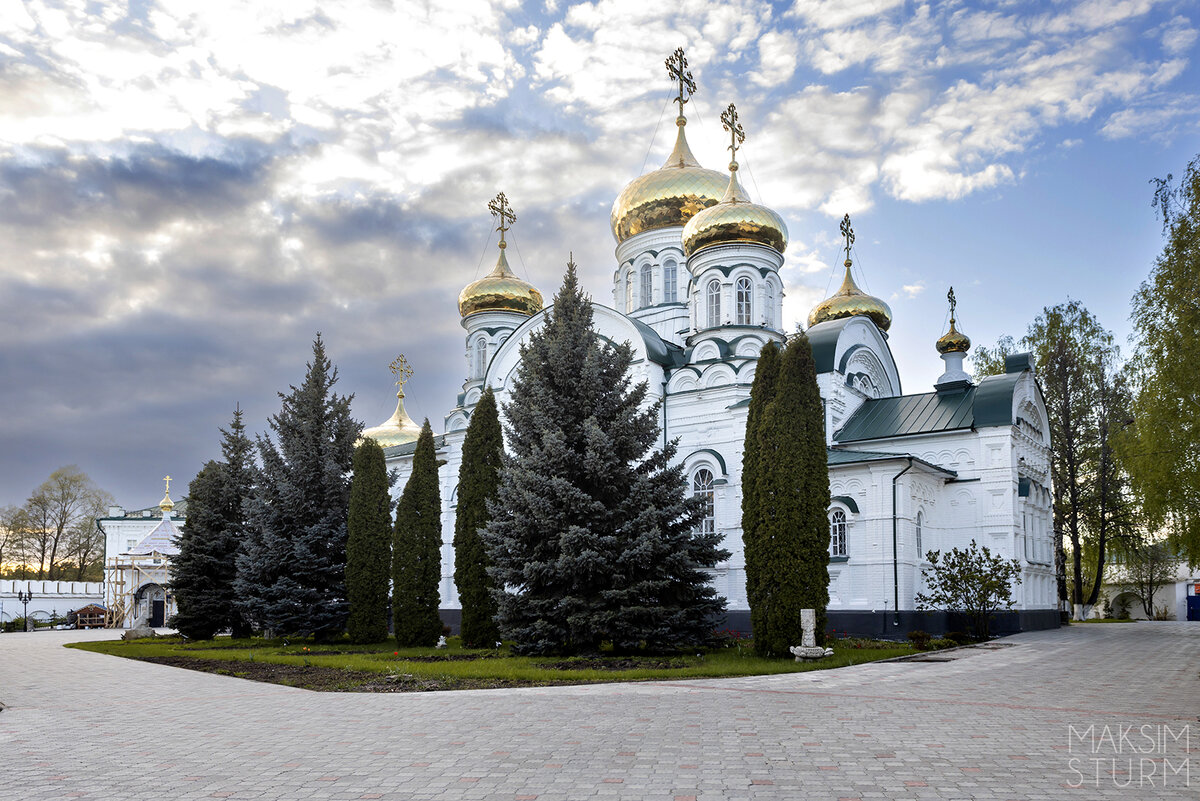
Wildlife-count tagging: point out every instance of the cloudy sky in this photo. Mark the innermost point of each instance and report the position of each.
(190, 190)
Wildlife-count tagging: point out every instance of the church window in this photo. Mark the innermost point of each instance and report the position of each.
(647, 287)
(769, 308)
(920, 525)
(714, 303)
(702, 485)
(743, 301)
(480, 357)
(629, 291)
(670, 282)
(837, 533)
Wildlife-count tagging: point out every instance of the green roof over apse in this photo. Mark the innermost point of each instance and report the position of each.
(987, 404)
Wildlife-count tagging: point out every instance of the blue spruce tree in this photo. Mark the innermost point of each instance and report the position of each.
(593, 537)
(291, 572)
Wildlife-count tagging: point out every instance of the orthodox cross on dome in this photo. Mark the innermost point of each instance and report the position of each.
(953, 304)
(402, 370)
(500, 209)
(168, 480)
(677, 69)
(737, 134)
(847, 234)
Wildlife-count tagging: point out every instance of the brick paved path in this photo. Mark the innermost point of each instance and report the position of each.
(992, 724)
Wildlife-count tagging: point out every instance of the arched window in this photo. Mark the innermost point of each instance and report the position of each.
(920, 525)
(480, 357)
(629, 290)
(837, 533)
(702, 485)
(714, 303)
(647, 287)
(769, 307)
(670, 282)
(744, 288)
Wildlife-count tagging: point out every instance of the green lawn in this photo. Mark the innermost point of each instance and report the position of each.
(383, 668)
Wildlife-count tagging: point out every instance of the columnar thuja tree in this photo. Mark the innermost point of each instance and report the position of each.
(291, 573)
(593, 537)
(202, 575)
(478, 479)
(788, 552)
(416, 550)
(368, 545)
(762, 392)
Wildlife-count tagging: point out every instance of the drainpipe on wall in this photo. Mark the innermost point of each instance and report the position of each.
(895, 544)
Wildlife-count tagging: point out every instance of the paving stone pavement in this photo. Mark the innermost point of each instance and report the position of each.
(992, 724)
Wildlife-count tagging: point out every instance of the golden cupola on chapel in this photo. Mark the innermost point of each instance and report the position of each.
(736, 219)
(501, 289)
(849, 300)
(671, 195)
(399, 428)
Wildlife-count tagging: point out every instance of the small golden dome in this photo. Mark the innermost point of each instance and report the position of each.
(396, 430)
(500, 290)
(669, 196)
(953, 341)
(850, 301)
(734, 219)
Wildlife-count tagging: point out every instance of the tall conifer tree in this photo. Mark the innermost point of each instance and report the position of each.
(793, 493)
(202, 574)
(762, 392)
(478, 479)
(593, 538)
(368, 545)
(291, 573)
(416, 550)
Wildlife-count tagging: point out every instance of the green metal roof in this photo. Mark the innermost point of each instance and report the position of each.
(840, 456)
(987, 404)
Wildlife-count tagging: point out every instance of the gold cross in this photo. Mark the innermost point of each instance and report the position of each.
(953, 304)
(402, 370)
(848, 233)
(737, 135)
(168, 480)
(677, 69)
(499, 208)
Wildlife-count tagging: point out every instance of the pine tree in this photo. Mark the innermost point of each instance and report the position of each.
(202, 573)
(762, 392)
(291, 572)
(592, 536)
(368, 545)
(478, 479)
(416, 550)
(195, 570)
(793, 493)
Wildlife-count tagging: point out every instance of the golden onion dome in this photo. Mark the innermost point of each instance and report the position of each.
(669, 196)
(734, 219)
(953, 341)
(500, 290)
(850, 301)
(396, 430)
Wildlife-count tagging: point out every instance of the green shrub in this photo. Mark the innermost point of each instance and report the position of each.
(958, 637)
(920, 639)
(942, 642)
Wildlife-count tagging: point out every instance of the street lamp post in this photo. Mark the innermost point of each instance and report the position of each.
(25, 597)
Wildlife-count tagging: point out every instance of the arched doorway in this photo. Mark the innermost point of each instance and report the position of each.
(150, 606)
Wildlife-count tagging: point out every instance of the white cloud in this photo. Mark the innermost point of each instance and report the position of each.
(912, 290)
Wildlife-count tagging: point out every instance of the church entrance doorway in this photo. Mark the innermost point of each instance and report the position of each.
(158, 610)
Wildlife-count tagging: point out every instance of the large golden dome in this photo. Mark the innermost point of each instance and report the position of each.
(669, 196)
(734, 219)
(500, 290)
(850, 301)
(396, 430)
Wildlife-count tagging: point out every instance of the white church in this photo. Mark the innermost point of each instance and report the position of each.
(697, 293)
